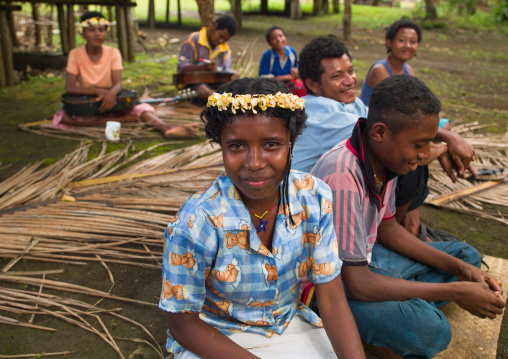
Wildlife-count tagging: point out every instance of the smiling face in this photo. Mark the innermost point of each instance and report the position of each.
(255, 151)
(404, 45)
(94, 35)
(216, 36)
(338, 80)
(401, 152)
(277, 39)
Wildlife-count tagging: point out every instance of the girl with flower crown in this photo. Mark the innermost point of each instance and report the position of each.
(96, 70)
(237, 250)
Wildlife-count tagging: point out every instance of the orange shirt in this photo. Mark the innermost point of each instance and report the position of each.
(94, 74)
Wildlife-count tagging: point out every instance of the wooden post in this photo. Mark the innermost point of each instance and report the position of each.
(112, 28)
(346, 20)
(3, 80)
(49, 33)
(325, 6)
(6, 44)
(151, 14)
(122, 31)
(264, 6)
(10, 20)
(316, 7)
(131, 36)
(167, 11)
(237, 12)
(179, 12)
(38, 32)
(71, 26)
(336, 6)
(296, 10)
(64, 38)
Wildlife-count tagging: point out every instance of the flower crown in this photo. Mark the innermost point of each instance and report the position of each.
(93, 21)
(248, 102)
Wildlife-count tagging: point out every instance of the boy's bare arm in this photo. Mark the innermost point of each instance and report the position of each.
(202, 339)
(461, 152)
(338, 320)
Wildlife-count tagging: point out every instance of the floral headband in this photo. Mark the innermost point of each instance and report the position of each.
(93, 21)
(248, 102)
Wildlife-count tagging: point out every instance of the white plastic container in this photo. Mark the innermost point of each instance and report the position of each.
(113, 130)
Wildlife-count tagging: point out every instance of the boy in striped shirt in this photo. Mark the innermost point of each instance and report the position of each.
(395, 282)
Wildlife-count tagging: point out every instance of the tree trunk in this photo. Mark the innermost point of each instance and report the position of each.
(167, 11)
(206, 11)
(430, 9)
(296, 10)
(71, 26)
(316, 6)
(131, 36)
(64, 34)
(6, 43)
(122, 32)
(12, 27)
(151, 14)
(325, 7)
(38, 32)
(237, 11)
(264, 6)
(336, 6)
(112, 28)
(346, 20)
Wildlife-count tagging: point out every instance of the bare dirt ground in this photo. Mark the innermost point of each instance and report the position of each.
(466, 70)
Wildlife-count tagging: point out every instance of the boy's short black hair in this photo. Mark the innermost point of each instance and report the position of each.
(227, 22)
(322, 47)
(90, 14)
(400, 101)
(401, 24)
(272, 29)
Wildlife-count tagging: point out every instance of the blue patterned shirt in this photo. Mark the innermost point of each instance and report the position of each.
(216, 265)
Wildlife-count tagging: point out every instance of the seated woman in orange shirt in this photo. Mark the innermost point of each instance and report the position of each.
(95, 69)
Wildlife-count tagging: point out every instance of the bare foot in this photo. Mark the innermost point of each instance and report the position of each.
(189, 130)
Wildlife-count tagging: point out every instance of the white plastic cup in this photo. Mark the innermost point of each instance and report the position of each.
(113, 130)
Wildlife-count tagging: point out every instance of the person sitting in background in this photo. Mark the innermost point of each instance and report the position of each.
(95, 69)
(402, 40)
(207, 50)
(281, 61)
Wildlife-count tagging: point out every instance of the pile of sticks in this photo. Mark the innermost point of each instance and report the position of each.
(81, 213)
(485, 199)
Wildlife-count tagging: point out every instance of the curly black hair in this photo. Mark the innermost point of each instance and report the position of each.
(272, 29)
(227, 22)
(90, 14)
(400, 102)
(322, 47)
(392, 30)
(215, 120)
